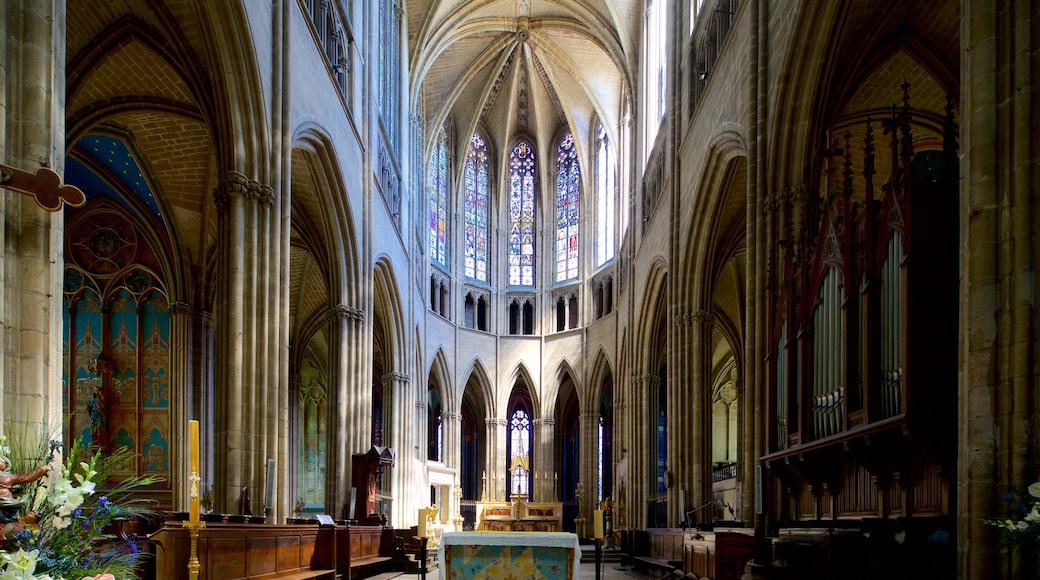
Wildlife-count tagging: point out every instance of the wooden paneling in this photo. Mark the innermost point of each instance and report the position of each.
(244, 551)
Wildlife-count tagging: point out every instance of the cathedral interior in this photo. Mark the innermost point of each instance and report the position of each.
(749, 264)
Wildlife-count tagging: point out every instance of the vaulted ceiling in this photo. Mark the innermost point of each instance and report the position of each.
(522, 67)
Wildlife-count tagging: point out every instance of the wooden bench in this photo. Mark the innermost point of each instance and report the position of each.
(247, 552)
(364, 551)
(658, 550)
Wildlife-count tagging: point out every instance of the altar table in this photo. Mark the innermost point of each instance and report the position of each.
(519, 555)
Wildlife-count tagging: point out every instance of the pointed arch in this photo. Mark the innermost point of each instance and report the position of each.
(329, 202)
(520, 374)
(439, 367)
(477, 375)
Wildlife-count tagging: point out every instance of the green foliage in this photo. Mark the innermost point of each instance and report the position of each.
(74, 537)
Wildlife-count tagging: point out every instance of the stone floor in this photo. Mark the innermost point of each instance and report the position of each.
(607, 572)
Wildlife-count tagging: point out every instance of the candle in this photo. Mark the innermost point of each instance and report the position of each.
(422, 523)
(193, 471)
(597, 524)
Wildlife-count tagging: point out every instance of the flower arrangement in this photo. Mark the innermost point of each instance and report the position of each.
(1022, 527)
(64, 524)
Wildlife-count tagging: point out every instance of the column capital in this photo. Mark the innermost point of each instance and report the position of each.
(234, 183)
(703, 318)
(262, 194)
(180, 308)
(394, 377)
(344, 312)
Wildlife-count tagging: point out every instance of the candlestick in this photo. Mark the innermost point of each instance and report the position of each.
(193, 471)
(193, 524)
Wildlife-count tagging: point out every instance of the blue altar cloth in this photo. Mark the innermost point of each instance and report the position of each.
(509, 555)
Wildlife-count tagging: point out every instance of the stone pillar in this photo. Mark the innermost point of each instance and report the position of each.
(621, 446)
(998, 405)
(32, 135)
(496, 453)
(347, 405)
(247, 327)
(183, 400)
(699, 445)
(545, 461)
(681, 390)
(403, 438)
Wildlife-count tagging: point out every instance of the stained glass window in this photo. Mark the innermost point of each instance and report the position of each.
(438, 191)
(521, 215)
(476, 183)
(389, 90)
(656, 74)
(606, 197)
(519, 451)
(662, 438)
(568, 185)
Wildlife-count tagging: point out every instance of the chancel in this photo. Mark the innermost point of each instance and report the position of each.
(747, 286)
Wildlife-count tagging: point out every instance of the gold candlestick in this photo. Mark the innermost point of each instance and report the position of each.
(193, 524)
(194, 567)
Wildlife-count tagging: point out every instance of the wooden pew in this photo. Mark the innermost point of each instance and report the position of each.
(658, 549)
(247, 552)
(364, 551)
(720, 555)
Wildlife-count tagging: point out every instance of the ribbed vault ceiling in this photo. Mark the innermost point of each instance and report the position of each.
(530, 67)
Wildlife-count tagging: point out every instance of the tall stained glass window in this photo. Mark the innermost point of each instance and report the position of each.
(655, 72)
(568, 185)
(389, 86)
(519, 451)
(521, 215)
(438, 190)
(606, 197)
(476, 183)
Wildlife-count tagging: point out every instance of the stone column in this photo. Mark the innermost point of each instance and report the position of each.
(544, 463)
(496, 452)
(346, 406)
(246, 328)
(32, 135)
(699, 444)
(183, 400)
(403, 439)
(998, 405)
(681, 390)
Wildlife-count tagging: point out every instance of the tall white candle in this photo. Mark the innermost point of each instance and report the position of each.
(421, 532)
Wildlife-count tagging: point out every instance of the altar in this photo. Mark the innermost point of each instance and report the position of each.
(519, 516)
(520, 555)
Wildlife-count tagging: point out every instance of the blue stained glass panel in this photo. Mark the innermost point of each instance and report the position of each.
(438, 197)
(521, 215)
(476, 211)
(568, 185)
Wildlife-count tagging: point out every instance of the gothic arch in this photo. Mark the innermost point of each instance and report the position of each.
(564, 372)
(648, 316)
(601, 371)
(439, 367)
(247, 144)
(477, 374)
(520, 374)
(387, 312)
(719, 213)
(328, 204)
